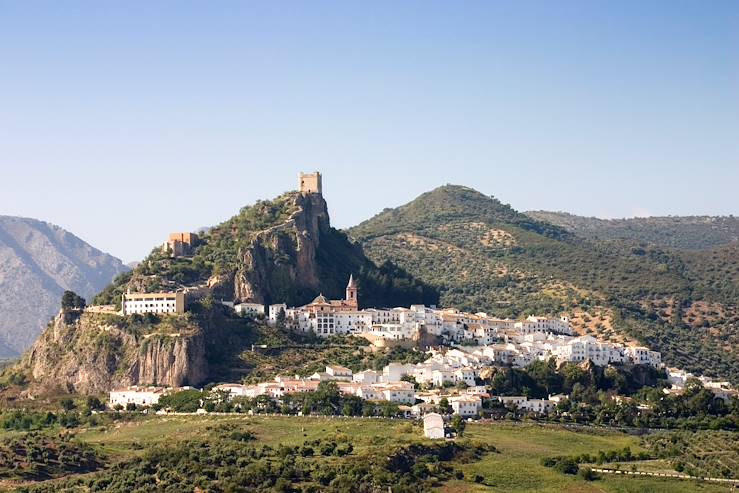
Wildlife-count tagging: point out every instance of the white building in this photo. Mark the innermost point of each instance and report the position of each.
(153, 303)
(274, 311)
(398, 392)
(339, 372)
(366, 377)
(515, 400)
(140, 396)
(541, 406)
(466, 405)
(352, 322)
(252, 309)
(433, 426)
(394, 372)
(640, 355)
(546, 325)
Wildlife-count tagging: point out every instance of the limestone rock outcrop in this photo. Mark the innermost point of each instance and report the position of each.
(92, 353)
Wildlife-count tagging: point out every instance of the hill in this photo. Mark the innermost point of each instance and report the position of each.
(282, 250)
(682, 233)
(483, 255)
(38, 261)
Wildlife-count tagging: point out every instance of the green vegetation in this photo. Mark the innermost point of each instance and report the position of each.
(72, 301)
(239, 349)
(682, 233)
(244, 453)
(226, 250)
(707, 453)
(542, 378)
(32, 456)
(482, 255)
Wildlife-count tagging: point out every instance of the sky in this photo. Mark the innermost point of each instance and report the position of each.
(124, 121)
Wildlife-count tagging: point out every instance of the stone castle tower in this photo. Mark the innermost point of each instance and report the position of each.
(310, 183)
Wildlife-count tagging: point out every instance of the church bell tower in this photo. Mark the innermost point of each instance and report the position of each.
(351, 292)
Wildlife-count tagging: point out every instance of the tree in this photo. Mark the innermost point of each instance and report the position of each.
(67, 404)
(444, 405)
(72, 301)
(280, 318)
(94, 404)
(458, 423)
(566, 465)
(186, 401)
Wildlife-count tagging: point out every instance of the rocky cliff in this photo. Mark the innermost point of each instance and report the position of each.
(282, 250)
(91, 353)
(38, 261)
(281, 261)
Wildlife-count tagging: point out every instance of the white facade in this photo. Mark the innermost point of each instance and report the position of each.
(466, 405)
(542, 406)
(274, 311)
(640, 355)
(166, 303)
(366, 377)
(398, 392)
(433, 426)
(249, 309)
(339, 372)
(140, 396)
(352, 322)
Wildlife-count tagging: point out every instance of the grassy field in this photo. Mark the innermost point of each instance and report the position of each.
(515, 467)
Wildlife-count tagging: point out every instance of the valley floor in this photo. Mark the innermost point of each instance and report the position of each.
(514, 466)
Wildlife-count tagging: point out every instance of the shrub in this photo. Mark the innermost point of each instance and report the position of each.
(566, 466)
(587, 474)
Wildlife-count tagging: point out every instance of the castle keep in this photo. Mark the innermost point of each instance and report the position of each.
(310, 183)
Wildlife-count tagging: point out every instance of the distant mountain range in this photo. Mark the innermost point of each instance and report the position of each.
(38, 261)
(679, 232)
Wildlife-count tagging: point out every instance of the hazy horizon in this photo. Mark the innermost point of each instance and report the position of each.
(121, 123)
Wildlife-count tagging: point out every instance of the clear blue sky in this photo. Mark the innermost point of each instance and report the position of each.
(123, 121)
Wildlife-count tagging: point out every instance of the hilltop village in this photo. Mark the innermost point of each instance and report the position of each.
(461, 346)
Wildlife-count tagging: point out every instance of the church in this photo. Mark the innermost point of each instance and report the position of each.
(349, 304)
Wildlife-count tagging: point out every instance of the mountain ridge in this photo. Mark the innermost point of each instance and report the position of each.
(678, 232)
(38, 261)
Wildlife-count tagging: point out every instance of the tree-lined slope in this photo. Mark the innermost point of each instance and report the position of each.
(483, 255)
(683, 233)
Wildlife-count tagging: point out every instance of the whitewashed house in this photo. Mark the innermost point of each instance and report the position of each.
(140, 396)
(466, 405)
(433, 426)
(366, 377)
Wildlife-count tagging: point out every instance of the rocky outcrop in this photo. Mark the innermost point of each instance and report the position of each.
(283, 258)
(92, 353)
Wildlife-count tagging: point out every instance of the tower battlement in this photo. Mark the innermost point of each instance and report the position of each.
(310, 183)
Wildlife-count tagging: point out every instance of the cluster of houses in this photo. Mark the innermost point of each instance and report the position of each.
(368, 385)
(516, 343)
(680, 379)
(450, 374)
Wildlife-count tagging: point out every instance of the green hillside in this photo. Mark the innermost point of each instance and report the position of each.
(683, 233)
(483, 255)
(332, 454)
(284, 250)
